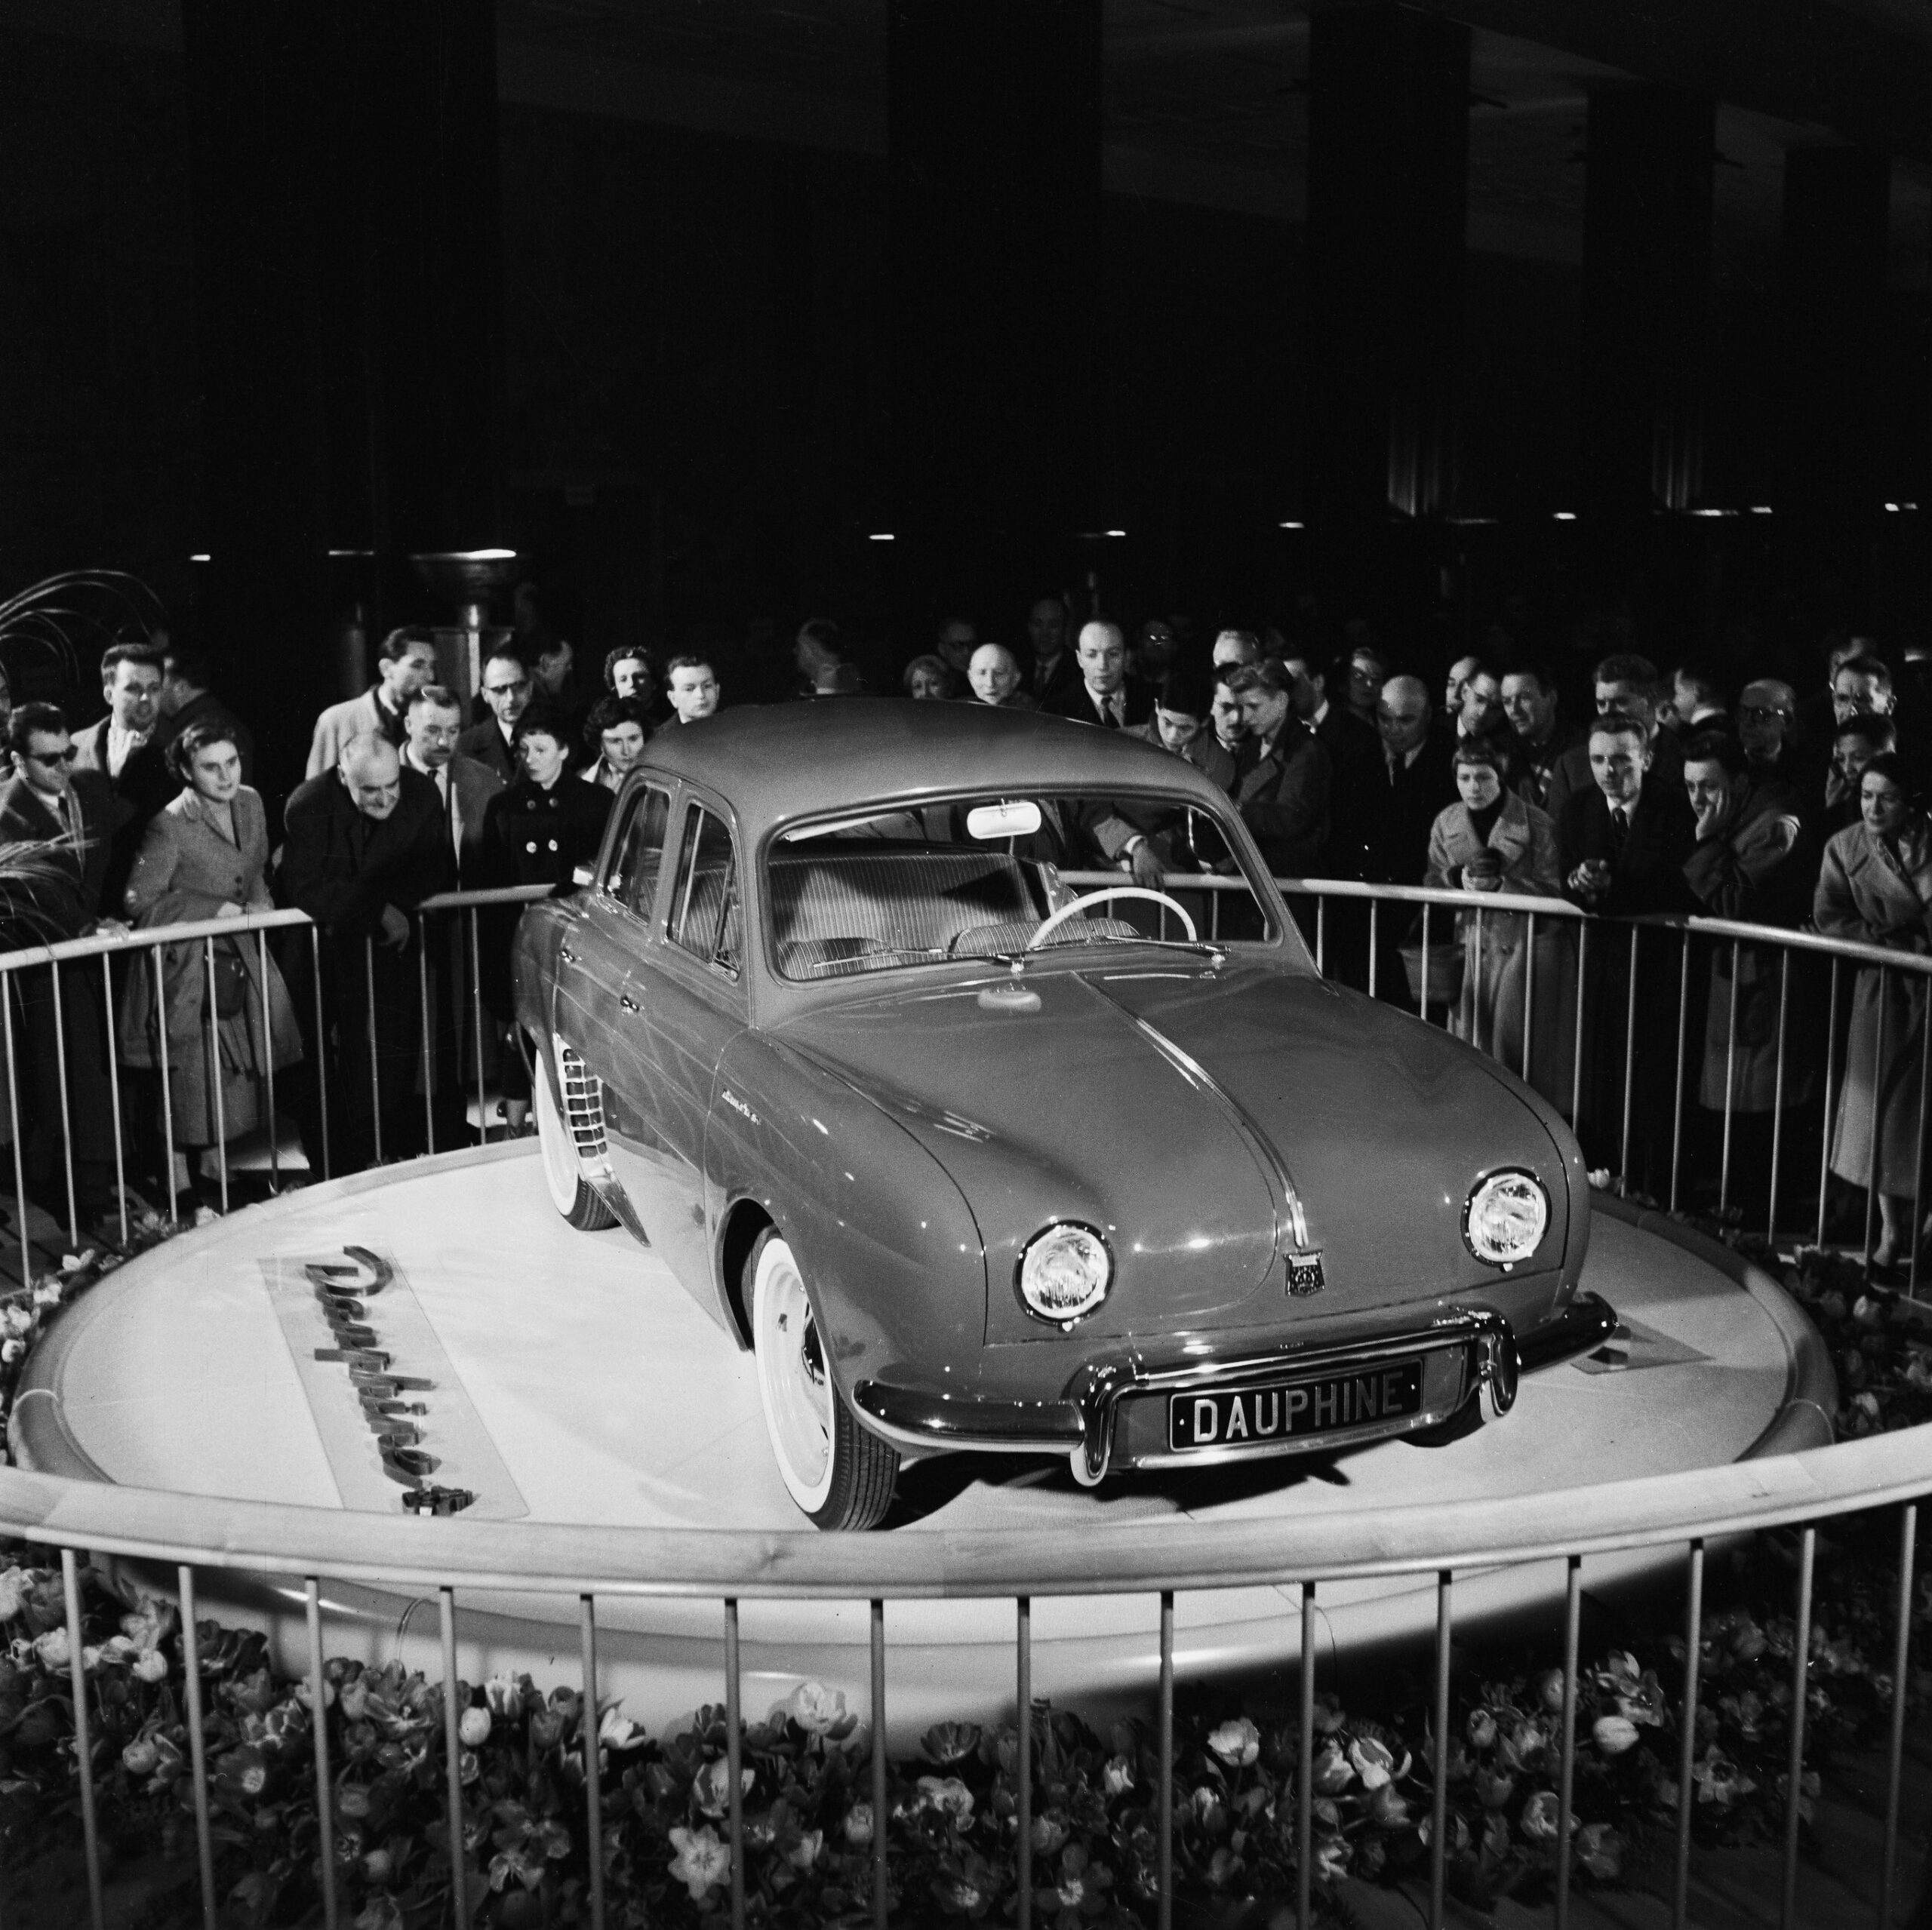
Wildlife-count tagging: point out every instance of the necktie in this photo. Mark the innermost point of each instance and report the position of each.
(1107, 714)
(1619, 829)
(70, 817)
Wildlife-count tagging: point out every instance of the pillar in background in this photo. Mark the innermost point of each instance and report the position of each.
(1647, 257)
(1388, 179)
(1832, 287)
(348, 281)
(994, 126)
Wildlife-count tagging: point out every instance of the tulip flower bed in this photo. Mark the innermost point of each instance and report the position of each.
(951, 1820)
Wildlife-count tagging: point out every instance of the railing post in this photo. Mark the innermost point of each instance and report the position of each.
(1686, 1738)
(1730, 1074)
(590, 1728)
(1629, 1050)
(213, 1036)
(1918, 1165)
(66, 1118)
(1876, 1101)
(1164, 1907)
(1374, 933)
(324, 1785)
(1777, 1095)
(1476, 998)
(453, 1749)
(1800, 1680)
(77, 1676)
(476, 1015)
(1572, 1615)
(1529, 997)
(321, 1045)
(191, 1670)
(1022, 1639)
(734, 1745)
(1322, 933)
(1425, 967)
(1831, 1106)
(1438, 1808)
(1677, 1102)
(114, 1093)
(14, 1123)
(428, 1063)
(1895, 1747)
(375, 1051)
(1305, 1767)
(1576, 1058)
(882, 1891)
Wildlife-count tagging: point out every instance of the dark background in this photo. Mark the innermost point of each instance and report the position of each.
(686, 303)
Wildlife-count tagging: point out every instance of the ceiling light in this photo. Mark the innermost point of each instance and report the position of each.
(880, 535)
(1292, 526)
(1564, 515)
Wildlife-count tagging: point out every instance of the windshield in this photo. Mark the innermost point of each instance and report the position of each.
(978, 876)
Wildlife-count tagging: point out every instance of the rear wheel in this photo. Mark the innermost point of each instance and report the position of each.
(838, 1474)
(570, 1193)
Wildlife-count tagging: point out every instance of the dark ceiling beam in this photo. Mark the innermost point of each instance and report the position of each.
(1796, 60)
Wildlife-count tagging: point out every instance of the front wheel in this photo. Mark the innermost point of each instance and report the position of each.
(570, 1193)
(838, 1474)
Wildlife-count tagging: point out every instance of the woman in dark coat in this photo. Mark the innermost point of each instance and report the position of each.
(203, 856)
(1876, 887)
(536, 831)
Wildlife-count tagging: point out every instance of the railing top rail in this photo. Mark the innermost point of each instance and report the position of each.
(64, 951)
(1430, 894)
(1136, 1558)
(500, 894)
(1848, 949)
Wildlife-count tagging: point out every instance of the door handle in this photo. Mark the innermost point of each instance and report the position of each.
(567, 955)
(629, 1003)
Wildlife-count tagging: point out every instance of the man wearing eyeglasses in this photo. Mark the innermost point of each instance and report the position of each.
(506, 691)
(69, 815)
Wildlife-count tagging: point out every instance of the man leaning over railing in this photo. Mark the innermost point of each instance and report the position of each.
(367, 842)
(55, 825)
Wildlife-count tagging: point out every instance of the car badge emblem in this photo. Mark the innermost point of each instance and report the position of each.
(1305, 1273)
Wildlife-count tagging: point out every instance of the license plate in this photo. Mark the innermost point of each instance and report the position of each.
(1248, 1417)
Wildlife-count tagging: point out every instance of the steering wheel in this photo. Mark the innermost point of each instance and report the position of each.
(1055, 919)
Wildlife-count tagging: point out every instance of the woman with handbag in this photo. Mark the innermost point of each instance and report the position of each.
(204, 856)
(1492, 840)
(1875, 887)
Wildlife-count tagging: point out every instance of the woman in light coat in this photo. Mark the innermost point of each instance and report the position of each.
(1875, 887)
(203, 857)
(1493, 840)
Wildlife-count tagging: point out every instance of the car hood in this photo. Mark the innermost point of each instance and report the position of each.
(1186, 1115)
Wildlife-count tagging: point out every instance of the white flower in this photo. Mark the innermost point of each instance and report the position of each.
(803, 1853)
(702, 1862)
(617, 1731)
(1613, 1733)
(947, 1794)
(14, 1587)
(1116, 1778)
(816, 1709)
(1372, 1762)
(859, 1825)
(151, 1665)
(52, 1650)
(474, 1730)
(11, 1350)
(1237, 1743)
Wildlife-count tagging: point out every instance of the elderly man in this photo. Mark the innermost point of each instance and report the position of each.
(692, 686)
(128, 748)
(1104, 694)
(993, 676)
(1283, 794)
(47, 802)
(405, 662)
(505, 693)
(464, 785)
(1531, 703)
(1236, 647)
(367, 842)
(1396, 805)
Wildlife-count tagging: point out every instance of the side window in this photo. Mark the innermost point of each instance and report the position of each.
(704, 917)
(639, 851)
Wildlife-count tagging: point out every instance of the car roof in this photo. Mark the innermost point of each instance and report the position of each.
(778, 762)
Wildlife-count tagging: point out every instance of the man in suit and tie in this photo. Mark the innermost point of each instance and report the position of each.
(1103, 692)
(1052, 672)
(46, 803)
(127, 747)
(406, 660)
(1625, 842)
(505, 692)
(367, 842)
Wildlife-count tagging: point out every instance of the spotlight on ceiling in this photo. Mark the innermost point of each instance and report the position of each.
(880, 535)
(1564, 515)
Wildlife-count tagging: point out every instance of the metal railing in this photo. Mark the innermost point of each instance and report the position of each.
(197, 1536)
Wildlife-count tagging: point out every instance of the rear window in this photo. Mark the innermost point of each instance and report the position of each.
(704, 917)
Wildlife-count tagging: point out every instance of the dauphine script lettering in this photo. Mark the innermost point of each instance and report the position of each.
(345, 1293)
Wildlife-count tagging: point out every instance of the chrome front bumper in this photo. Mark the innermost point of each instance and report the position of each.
(1112, 1413)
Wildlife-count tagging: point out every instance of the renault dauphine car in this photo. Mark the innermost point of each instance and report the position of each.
(971, 1157)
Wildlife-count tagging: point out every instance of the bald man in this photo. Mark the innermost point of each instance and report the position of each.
(367, 844)
(994, 676)
(1103, 692)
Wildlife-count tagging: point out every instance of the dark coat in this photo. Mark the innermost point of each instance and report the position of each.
(1535, 767)
(145, 786)
(1647, 873)
(1065, 676)
(486, 743)
(532, 836)
(341, 868)
(1073, 699)
(64, 897)
(1283, 799)
(1386, 839)
(1570, 776)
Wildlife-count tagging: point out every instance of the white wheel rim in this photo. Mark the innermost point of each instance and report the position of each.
(560, 1173)
(794, 1386)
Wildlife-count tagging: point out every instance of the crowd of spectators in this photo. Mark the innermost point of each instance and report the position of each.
(1645, 791)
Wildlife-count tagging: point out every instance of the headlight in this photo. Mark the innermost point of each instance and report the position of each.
(1504, 1218)
(1065, 1273)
